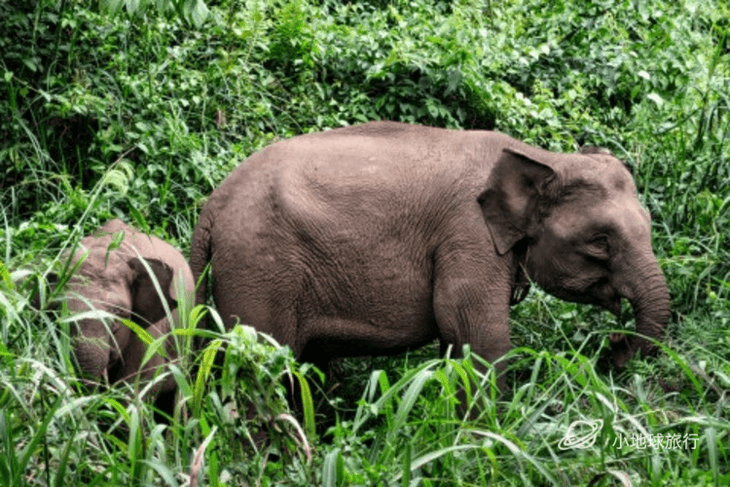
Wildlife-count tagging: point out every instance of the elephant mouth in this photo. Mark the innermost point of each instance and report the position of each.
(603, 298)
(614, 306)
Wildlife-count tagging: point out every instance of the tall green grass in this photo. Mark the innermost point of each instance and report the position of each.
(56, 428)
(141, 116)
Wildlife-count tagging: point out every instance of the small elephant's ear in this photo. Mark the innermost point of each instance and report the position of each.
(146, 302)
(510, 201)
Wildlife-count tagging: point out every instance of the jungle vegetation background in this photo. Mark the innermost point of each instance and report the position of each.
(138, 109)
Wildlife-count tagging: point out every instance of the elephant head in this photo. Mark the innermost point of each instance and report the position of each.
(120, 285)
(114, 274)
(576, 226)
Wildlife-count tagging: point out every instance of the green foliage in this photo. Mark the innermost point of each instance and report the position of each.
(414, 429)
(139, 109)
(193, 11)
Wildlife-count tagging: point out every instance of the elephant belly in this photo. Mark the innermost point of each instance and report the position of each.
(372, 299)
(387, 322)
(338, 337)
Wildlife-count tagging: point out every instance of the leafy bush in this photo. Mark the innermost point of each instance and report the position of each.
(139, 110)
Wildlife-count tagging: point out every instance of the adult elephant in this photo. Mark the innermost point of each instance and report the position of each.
(379, 238)
(111, 277)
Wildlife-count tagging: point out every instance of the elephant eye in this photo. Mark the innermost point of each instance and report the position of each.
(599, 246)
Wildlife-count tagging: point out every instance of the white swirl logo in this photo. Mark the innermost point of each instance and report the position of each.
(581, 439)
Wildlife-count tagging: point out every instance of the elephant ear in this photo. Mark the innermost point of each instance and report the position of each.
(510, 202)
(146, 301)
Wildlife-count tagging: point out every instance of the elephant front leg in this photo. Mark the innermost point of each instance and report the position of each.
(472, 308)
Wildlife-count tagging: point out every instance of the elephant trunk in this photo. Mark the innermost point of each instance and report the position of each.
(92, 348)
(649, 298)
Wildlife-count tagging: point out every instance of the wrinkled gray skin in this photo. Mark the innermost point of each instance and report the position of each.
(375, 239)
(116, 281)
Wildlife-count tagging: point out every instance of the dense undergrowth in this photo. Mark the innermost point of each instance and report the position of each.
(139, 116)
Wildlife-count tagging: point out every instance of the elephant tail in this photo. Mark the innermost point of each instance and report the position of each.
(200, 254)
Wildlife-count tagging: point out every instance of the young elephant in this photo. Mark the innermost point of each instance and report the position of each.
(374, 239)
(114, 279)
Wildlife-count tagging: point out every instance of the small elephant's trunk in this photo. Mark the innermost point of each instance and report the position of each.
(650, 303)
(92, 349)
